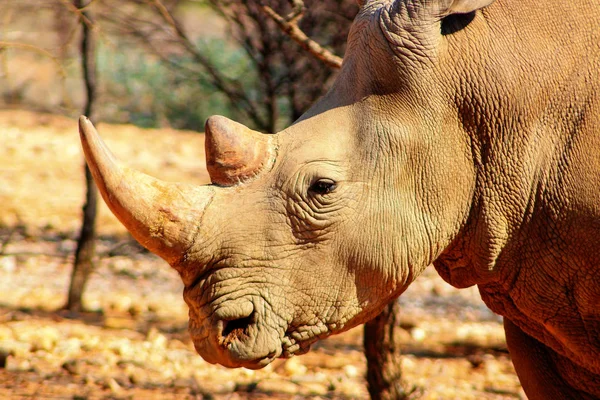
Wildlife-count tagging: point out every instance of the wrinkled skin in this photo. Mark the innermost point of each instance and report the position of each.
(458, 133)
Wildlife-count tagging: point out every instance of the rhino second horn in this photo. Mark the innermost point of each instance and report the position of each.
(162, 216)
(235, 153)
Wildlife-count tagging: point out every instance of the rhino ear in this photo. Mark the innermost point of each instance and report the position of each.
(464, 6)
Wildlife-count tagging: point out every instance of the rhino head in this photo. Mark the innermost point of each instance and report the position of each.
(313, 230)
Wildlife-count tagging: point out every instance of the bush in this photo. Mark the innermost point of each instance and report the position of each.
(143, 90)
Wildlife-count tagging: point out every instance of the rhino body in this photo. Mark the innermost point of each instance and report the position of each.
(461, 133)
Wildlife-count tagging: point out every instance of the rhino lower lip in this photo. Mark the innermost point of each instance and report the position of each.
(258, 362)
(292, 347)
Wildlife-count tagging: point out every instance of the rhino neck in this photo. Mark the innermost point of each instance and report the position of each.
(472, 258)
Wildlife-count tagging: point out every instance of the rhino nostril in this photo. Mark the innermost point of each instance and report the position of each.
(234, 322)
(236, 328)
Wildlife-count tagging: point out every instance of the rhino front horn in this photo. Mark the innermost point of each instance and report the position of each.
(163, 217)
(235, 153)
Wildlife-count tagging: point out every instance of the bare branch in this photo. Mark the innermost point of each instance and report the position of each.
(290, 27)
(36, 49)
(80, 12)
(231, 88)
(297, 13)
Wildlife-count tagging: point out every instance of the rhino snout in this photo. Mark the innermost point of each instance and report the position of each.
(238, 336)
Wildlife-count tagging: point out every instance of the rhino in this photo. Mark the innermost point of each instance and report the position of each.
(459, 133)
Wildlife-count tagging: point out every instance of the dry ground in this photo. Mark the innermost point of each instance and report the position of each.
(134, 344)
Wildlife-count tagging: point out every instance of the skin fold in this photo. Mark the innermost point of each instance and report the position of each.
(461, 133)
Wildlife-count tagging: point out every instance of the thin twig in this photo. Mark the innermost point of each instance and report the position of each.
(81, 16)
(297, 13)
(80, 12)
(291, 28)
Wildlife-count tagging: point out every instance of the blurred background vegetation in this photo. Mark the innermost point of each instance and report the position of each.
(170, 63)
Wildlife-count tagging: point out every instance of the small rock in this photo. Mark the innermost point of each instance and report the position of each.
(408, 362)
(89, 380)
(8, 264)
(136, 309)
(418, 334)
(68, 348)
(182, 382)
(318, 377)
(5, 333)
(492, 368)
(158, 358)
(476, 360)
(350, 371)
(114, 387)
(90, 343)
(157, 339)
(95, 305)
(293, 367)
(43, 338)
(277, 386)
(313, 389)
(67, 246)
(350, 389)
(123, 347)
(208, 386)
(137, 376)
(73, 367)
(121, 303)
(16, 348)
(23, 365)
(166, 374)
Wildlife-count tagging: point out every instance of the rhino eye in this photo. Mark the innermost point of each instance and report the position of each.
(322, 186)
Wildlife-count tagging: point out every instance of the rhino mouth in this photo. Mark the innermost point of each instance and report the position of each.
(248, 338)
(292, 347)
(240, 327)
